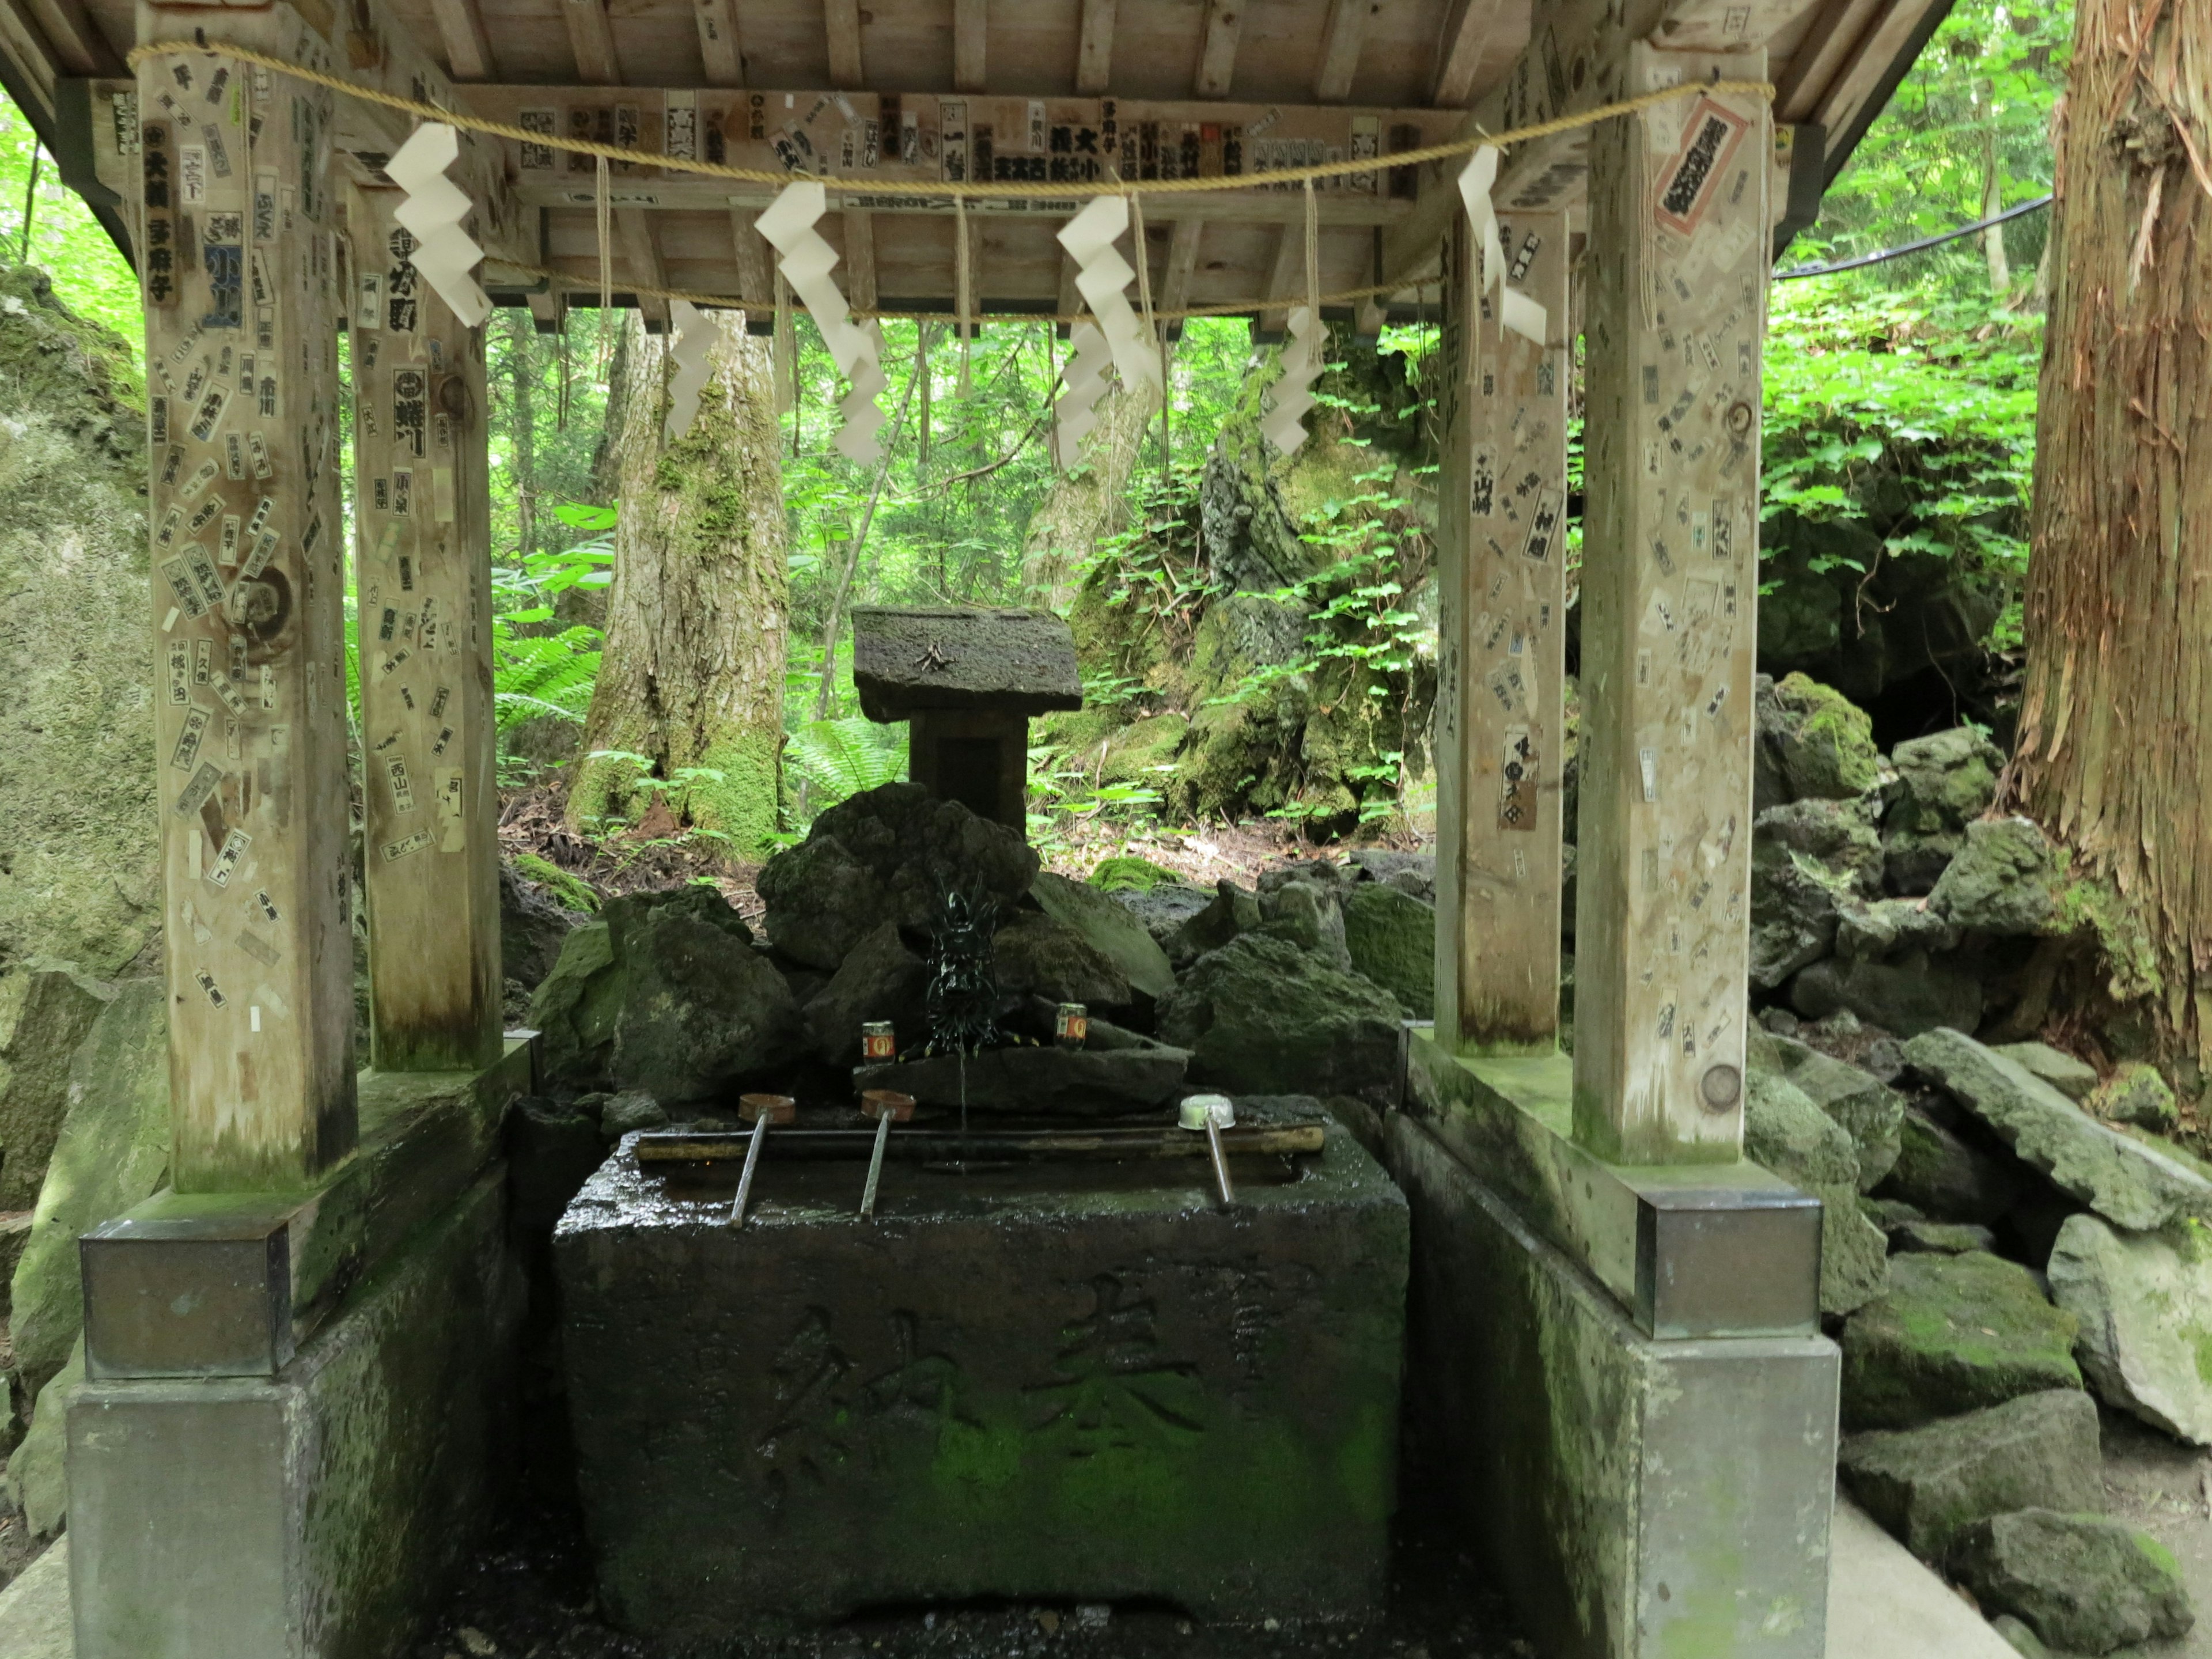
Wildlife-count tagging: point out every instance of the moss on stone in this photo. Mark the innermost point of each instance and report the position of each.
(1827, 743)
(1127, 873)
(571, 890)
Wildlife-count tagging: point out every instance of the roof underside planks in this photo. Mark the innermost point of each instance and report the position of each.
(1202, 86)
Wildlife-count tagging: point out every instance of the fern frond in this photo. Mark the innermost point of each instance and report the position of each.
(846, 757)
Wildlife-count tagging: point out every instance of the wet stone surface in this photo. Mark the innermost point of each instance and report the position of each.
(1068, 1383)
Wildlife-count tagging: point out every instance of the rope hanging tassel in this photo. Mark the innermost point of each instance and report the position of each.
(1292, 396)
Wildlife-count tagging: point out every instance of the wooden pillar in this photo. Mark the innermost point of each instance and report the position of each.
(1676, 271)
(240, 273)
(422, 514)
(1502, 523)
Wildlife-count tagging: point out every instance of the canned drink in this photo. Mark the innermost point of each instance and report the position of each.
(1072, 1025)
(877, 1040)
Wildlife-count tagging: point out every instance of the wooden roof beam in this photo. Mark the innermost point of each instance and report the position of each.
(1341, 37)
(721, 48)
(77, 43)
(841, 21)
(1466, 37)
(592, 39)
(1182, 262)
(970, 18)
(1286, 284)
(468, 47)
(1822, 56)
(756, 275)
(1217, 48)
(859, 264)
(1094, 47)
(642, 255)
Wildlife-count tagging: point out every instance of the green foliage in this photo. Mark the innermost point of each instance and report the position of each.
(1125, 873)
(840, 758)
(74, 248)
(540, 667)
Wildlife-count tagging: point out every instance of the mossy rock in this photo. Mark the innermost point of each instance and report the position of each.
(2136, 1094)
(1125, 873)
(1952, 1333)
(1392, 939)
(1783, 1130)
(571, 888)
(2084, 1584)
(2007, 880)
(1826, 741)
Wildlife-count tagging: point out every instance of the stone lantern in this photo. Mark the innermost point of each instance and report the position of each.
(967, 682)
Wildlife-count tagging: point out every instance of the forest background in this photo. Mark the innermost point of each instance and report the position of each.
(1900, 430)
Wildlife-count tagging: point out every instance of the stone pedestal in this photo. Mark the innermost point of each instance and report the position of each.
(1061, 1381)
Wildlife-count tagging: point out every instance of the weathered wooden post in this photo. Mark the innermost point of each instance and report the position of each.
(1679, 235)
(1502, 532)
(422, 512)
(241, 269)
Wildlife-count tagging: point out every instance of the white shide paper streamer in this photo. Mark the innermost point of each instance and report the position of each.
(444, 253)
(1292, 396)
(1084, 380)
(788, 225)
(1101, 275)
(1515, 311)
(695, 337)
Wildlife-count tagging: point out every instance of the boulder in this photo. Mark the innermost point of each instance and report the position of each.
(1232, 911)
(1823, 742)
(2018, 1637)
(1142, 752)
(2007, 880)
(2072, 1078)
(1951, 1333)
(38, 1478)
(113, 1153)
(1925, 1484)
(2082, 1583)
(1922, 1237)
(1907, 997)
(1946, 1175)
(1392, 939)
(631, 1109)
(1037, 956)
(1128, 1074)
(46, 1009)
(1106, 926)
(1409, 873)
(1887, 926)
(1259, 1016)
(1310, 915)
(81, 878)
(1784, 1131)
(667, 995)
(1867, 1110)
(1944, 782)
(2136, 1094)
(2144, 1301)
(879, 979)
(1837, 835)
(1794, 902)
(1161, 911)
(889, 854)
(532, 927)
(2128, 1181)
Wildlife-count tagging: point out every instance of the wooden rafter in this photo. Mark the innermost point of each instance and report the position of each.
(721, 48)
(755, 277)
(642, 255)
(841, 22)
(1182, 262)
(1217, 48)
(1341, 37)
(1094, 47)
(468, 47)
(591, 39)
(970, 21)
(78, 43)
(1287, 282)
(1458, 50)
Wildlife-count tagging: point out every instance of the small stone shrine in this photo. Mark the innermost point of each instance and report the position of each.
(967, 681)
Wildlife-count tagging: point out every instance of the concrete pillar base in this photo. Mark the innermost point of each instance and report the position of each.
(314, 1514)
(1638, 1498)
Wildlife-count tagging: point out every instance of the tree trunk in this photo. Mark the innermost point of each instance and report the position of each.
(2117, 699)
(1993, 247)
(691, 678)
(522, 375)
(1083, 505)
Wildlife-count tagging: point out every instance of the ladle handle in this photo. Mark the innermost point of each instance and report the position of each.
(752, 1162)
(1220, 1163)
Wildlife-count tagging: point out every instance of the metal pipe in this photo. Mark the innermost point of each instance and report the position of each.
(1115, 1144)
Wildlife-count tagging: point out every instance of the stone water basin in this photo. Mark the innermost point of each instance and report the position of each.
(1052, 1381)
